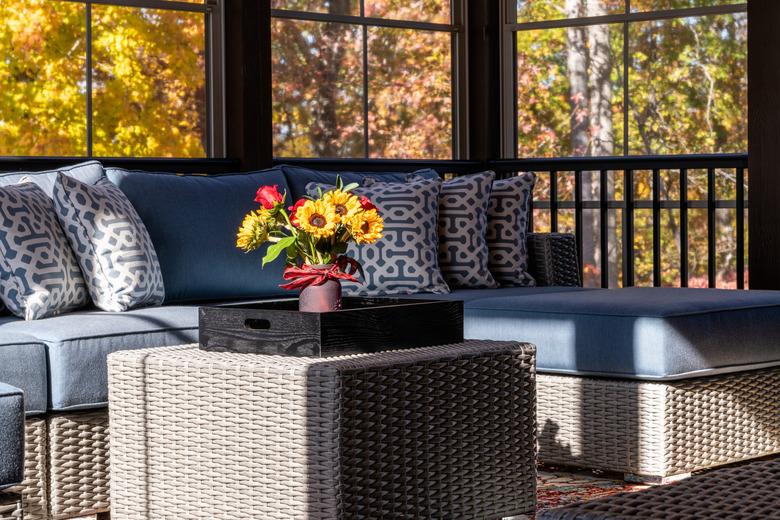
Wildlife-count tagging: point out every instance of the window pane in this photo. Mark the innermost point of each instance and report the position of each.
(569, 91)
(688, 85)
(652, 5)
(538, 10)
(350, 7)
(43, 78)
(317, 89)
(410, 93)
(437, 11)
(149, 83)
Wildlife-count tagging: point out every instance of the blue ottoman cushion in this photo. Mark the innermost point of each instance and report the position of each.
(637, 333)
(11, 436)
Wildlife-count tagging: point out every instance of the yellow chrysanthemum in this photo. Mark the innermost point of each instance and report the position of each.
(367, 227)
(253, 231)
(346, 205)
(317, 218)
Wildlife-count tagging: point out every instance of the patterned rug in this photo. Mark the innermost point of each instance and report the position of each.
(558, 487)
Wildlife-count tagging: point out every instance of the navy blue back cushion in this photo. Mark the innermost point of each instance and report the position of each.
(298, 177)
(193, 220)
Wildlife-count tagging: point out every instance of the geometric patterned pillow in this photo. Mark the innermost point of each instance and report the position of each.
(508, 217)
(111, 243)
(463, 250)
(39, 273)
(406, 259)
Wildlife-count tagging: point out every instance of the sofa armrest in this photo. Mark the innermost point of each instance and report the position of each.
(552, 260)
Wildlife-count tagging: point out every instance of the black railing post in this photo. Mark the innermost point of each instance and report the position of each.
(553, 201)
(657, 282)
(604, 226)
(740, 228)
(683, 227)
(628, 228)
(578, 215)
(711, 231)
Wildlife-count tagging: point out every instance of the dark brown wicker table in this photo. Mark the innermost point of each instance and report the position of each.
(749, 491)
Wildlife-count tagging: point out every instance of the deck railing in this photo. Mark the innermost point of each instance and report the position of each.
(705, 195)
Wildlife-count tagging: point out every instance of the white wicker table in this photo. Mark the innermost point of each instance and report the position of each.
(438, 432)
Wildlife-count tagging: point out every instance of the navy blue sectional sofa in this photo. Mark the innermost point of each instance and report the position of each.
(657, 339)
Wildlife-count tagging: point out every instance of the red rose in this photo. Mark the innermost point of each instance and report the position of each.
(367, 204)
(269, 196)
(294, 210)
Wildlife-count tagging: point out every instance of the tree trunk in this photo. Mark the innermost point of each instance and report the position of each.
(326, 131)
(601, 127)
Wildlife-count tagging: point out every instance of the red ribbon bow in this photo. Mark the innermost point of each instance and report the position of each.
(306, 275)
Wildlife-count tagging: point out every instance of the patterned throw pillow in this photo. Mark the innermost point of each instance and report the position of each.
(406, 260)
(463, 250)
(39, 274)
(111, 243)
(508, 215)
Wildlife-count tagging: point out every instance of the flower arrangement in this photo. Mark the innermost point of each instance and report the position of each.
(314, 233)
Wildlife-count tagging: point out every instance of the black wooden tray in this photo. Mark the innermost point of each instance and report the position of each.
(363, 325)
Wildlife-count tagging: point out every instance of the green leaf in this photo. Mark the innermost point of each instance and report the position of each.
(274, 250)
(339, 183)
(350, 187)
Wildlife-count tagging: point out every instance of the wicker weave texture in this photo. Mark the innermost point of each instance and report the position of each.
(552, 259)
(658, 429)
(751, 491)
(34, 489)
(79, 464)
(440, 432)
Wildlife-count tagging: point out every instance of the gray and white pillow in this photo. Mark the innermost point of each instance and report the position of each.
(463, 250)
(507, 231)
(39, 274)
(406, 259)
(111, 243)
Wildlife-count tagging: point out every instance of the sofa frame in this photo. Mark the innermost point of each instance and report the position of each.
(648, 431)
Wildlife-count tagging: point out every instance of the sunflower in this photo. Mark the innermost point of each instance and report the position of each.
(367, 227)
(346, 205)
(317, 218)
(253, 231)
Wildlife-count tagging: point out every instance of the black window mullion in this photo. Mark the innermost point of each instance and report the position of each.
(89, 78)
(365, 89)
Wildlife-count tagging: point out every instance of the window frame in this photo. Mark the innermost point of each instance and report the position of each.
(213, 12)
(510, 27)
(459, 72)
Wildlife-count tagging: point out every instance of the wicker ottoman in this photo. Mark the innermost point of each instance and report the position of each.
(438, 432)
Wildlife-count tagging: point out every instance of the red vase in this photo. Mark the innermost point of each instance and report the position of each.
(321, 298)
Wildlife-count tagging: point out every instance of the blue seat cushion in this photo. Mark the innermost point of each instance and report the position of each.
(11, 435)
(298, 177)
(637, 333)
(88, 172)
(192, 220)
(77, 345)
(23, 365)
